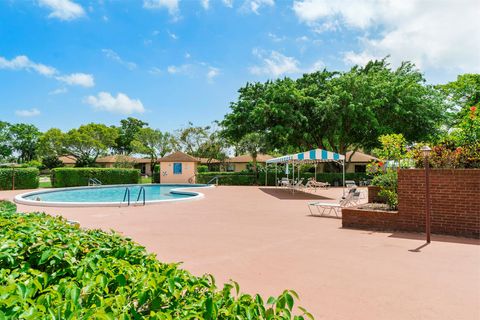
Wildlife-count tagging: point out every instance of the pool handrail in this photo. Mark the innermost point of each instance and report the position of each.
(139, 193)
(94, 182)
(127, 191)
(214, 178)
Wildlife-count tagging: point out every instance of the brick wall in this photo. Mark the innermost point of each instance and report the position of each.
(455, 204)
(373, 196)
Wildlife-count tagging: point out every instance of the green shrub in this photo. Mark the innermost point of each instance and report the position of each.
(388, 182)
(72, 177)
(248, 178)
(156, 174)
(25, 178)
(202, 168)
(50, 269)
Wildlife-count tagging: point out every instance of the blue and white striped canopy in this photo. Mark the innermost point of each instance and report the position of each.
(315, 155)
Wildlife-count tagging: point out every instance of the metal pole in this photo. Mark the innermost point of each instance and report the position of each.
(266, 173)
(276, 181)
(343, 177)
(427, 198)
(315, 178)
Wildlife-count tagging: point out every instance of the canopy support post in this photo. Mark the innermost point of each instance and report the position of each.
(266, 173)
(276, 181)
(315, 177)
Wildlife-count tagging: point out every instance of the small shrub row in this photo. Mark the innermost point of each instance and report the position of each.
(50, 269)
(72, 177)
(247, 178)
(25, 178)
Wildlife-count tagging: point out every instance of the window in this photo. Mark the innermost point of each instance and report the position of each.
(177, 168)
(360, 168)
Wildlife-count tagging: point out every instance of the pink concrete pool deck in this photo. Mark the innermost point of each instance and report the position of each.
(265, 239)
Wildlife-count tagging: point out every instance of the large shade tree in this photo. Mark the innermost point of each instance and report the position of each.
(5, 141)
(338, 111)
(88, 142)
(153, 143)
(24, 139)
(126, 134)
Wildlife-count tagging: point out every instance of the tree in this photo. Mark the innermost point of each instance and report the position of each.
(215, 147)
(253, 144)
(127, 131)
(88, 142)
(338, 111)
(191, 138)
(5, 140)
(50, 148)
(153, 143)
(463, 92)
(24, 140)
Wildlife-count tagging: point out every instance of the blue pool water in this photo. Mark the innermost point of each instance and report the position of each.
(154, 192)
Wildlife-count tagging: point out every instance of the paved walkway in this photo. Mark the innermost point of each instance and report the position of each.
(264, 239)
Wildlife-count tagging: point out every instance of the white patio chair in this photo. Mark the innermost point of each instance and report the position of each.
(350, 199)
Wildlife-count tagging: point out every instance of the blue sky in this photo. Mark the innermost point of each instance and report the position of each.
(68, 62)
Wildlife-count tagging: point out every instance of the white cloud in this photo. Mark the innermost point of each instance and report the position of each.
(187, 55)
(28, 113)
(110, 54)
(317, 66)
(58, 91)
(78, 79)
(63, 9)
(255, 5)
(205, 4)
(212, 73)
(170, 5)
(24, 63)
(275, 38)
(182, 69)
(172, 35)
(155, 71)
(432, 34)
(122, 104)
(274, 64)
(228, 3)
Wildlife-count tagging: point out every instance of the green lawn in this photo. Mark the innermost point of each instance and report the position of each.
(46, 184)
(145, 180)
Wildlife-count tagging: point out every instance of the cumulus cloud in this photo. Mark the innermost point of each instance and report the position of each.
(28, 113)
(432, 34)
(274, 64)
(228, 3)
(212, 73)
(58, 91)
(170, 5)
(205, 4)
(122, 104)
(78, 79)
(63, 9)
(255, 5)
(24, 63)
(181, 69)
(112, 55)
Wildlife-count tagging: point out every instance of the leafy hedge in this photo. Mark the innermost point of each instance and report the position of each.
(246, 179)
(25, 178)
(72, 177)
(50, 269)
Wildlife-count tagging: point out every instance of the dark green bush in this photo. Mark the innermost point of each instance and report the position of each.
(246, 178)
(50, 269)
(156, 174)
(25, 178)
(72, 177)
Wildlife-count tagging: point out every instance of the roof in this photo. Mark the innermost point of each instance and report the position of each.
(359, 157)
(207, 160)
(246, 158)
(178, 157)
(67, 159)
(121, 158)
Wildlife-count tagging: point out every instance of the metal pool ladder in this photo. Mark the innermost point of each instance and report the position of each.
(127, 193)
(141, 192)
(94, 182)
(126, 196)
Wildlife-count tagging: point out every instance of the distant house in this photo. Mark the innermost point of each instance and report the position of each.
(212, 164)
(178, 167)
(114, 161)
(239, 163)
(358, 163)
(118, 161)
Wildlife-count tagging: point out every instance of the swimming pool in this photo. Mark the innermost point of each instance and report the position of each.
(115, 195)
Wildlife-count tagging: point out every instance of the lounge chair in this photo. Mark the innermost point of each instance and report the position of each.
(327, 207)
(312, 183)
